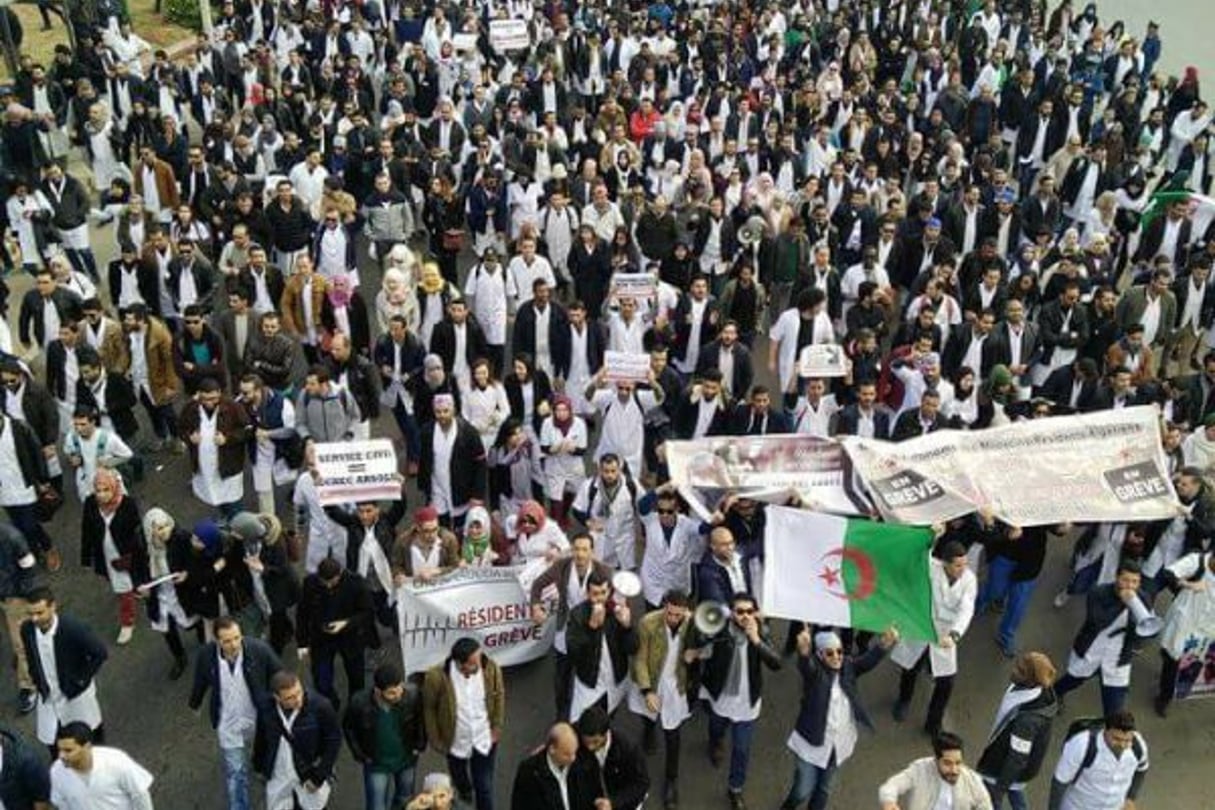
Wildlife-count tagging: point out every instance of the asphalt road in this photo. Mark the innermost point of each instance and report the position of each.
(146, 714)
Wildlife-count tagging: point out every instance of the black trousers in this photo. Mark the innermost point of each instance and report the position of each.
(1168, 678)
(670, 741)
(942, 689)
(563, 686)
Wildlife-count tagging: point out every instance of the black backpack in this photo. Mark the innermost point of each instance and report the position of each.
(1093, 726)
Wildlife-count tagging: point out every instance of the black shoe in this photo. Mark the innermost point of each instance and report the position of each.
(179, 667)
(27, 701)
(670, 795)
(899, 712)
(736, 800)
(1162, 707)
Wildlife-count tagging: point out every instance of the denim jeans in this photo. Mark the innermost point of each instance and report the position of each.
(481, 784)
(235, 762)
(25, 518)
(1016, 798)
(383, 790)
(1000, 585)
(740, 746)
(810, 782)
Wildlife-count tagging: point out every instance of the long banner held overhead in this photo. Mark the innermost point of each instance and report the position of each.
(766, 468)
(488, 604)
(1103, 466)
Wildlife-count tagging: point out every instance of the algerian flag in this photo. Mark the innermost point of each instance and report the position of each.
(1174, 191)
(848, 573)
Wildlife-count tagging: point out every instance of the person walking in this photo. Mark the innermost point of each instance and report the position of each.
(112, 544)
(298, 741)
(237, 673)
(1102, 766)
(464, 706)
(1021, 735)
(17, 566)
(86, 776)
(549, 779)
(386, 734)
(942, 780)
(335, 617)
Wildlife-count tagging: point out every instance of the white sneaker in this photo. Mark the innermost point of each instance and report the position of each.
(1062, 598)
(124, 635)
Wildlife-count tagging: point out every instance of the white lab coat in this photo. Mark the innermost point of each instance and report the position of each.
(953, 606)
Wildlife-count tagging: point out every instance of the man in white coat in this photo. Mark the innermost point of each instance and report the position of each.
(94, 777)
(672, 543)
(623, 408)
(954, 589)
(608, 504)
(486, 286)
(796, 328)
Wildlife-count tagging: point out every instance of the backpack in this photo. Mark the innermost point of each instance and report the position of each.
(1093, 726)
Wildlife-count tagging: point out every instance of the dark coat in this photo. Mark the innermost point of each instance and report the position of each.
(713, 581)
(536, 788)
(816, 691)
(349, 600)
(716, 670)
(848, 418)
(524, 335)
(744, 373)
(315, 740)
(1050, 327)
(79, 655)
(1101, 609)
(30, 326)
(741, 421)
(543, 390)
(562, 348)
(231, 422)
(908, 425)
(624, 773)
(443, 342)
(362, 380)
(362, 715)
(1007, 764)
(25, 778)
(585, 644)
(469, 476)
(385, 529)
(216, 369)
(126, 530)
(258, 665)
(687, 413)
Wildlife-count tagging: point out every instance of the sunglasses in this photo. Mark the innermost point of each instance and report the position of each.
(833, 653)
(666, 511)
(744, 611)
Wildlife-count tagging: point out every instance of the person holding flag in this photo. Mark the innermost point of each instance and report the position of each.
(954, 589)
(831, 711)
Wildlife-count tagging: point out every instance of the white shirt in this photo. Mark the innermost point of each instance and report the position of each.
(472, 716)
(1151, 319)
(736, 706)
(562, 776)
(440, 481)
(237, 714)
(116, 782)
(839, 736)
(1103, 785)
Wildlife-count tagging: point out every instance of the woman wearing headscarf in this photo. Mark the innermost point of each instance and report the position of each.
(1020, 737)
(396, 295)
(344, 310)
(485, 405)
(434, 293)
(563, 440)
(271, 577)
(510, 478)
(112, 544)
(478, 550)
(535, 536)
(168, 551)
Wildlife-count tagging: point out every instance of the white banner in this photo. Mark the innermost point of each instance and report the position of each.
(823, 360)
(626, 367)
(1087, 468)
(633, 285)
(488, 604)
(357, 471)
(509, 35)
(766, 468)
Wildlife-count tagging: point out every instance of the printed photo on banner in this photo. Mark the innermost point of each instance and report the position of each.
(1196, 668)
(638, 286)
(509, 35)
(822, 360)
(489, 604)
(766, 468)
(626, 367)
(357, 471)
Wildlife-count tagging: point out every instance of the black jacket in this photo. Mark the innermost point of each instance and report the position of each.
(258, 664)
(561, 348)
(25, 778)
(359, 725)
(744, 373)
(469, 475)
(524, 336)
(847, 420)
(1005, 763)
(362, 380)
(31, 327)
(624, 773)
(716, 670)
(79, 655)
(536, 788)
(1102, 608)
(585, 644)
(350, 601)
(127, 532)
(817, 682)
(385, 529)
(443, 342)
(315, 739)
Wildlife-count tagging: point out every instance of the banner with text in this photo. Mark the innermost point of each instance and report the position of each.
(357, 471)
(822, 360)
(509, 35)
(766, 468)
(626, 367)
(1104, 466)
(639, 286)
(488, 604)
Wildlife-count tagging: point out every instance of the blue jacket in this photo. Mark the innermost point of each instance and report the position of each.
(713, 581)
(816, 691)
(25, 778)
(258, 664)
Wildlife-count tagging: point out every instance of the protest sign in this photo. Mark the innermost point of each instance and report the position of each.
(488, 604)
(626, 367)
(509, 35)
(766, 468)
(822, 360)
(357, 471)
(639, 286)
(1103, 466)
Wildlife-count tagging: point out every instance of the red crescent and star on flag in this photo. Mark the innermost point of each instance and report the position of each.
(832, 573)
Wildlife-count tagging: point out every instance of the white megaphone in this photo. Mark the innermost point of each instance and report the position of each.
(710, 618)
(626, 584)
(1147, 623)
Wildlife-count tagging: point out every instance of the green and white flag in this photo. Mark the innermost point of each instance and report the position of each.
(848, 573)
